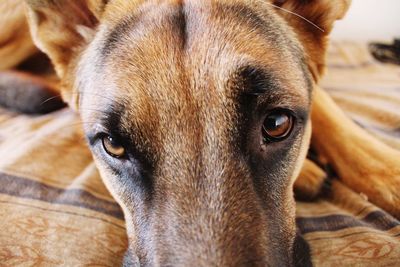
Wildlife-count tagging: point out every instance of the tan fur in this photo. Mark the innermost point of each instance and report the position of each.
(15, 41)
(310, 181)
(322, 13)
(362, 162)
(172, 81)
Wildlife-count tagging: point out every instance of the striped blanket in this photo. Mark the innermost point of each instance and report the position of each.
(55, 211)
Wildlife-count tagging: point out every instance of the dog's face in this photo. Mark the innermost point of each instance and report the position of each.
(197, 116)
(198, 131)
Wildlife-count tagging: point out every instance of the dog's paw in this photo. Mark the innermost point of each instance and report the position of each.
(379, 179)
(312, 182)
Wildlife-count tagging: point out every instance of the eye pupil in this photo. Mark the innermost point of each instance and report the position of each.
(277, 125)
(112, 147)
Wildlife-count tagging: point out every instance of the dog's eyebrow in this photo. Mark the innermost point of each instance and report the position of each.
(257, 81)
(254, 81)
(112, 120)
(110, 123)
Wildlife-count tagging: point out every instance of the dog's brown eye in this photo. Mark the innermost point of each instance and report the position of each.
(112, 147)
(277, 126)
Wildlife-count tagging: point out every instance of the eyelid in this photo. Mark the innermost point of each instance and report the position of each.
(99, 131)
(96, 133)
(93, 138)
(301, 114)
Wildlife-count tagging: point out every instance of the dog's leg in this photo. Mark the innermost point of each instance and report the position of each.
(312, 181)
(361, 161)
(28, 93)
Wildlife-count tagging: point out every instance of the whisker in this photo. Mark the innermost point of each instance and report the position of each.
(80, 93)
(297, 15)
(50, 98)
(93, 109)
(75, 93)
(80, 108)
(77, 124)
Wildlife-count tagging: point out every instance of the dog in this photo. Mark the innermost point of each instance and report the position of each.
(200, 119)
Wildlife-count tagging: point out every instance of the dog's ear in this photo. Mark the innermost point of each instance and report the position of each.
(312, 20)
(61, 29)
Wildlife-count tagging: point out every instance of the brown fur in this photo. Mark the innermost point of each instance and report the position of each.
(312, 182)
(362, 162)
(15, 41)
(171, 79)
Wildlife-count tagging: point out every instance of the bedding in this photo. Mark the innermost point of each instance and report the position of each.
(55, 210)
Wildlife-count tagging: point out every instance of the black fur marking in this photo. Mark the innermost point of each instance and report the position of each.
(301, 252)
(138, 166)
(255, 81)
(118, 34)
(179, 21)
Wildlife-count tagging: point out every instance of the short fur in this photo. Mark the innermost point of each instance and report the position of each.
(186, 85)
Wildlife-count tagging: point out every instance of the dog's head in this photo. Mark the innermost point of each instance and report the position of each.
(197, 115)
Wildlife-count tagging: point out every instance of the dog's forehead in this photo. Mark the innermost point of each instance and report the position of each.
(160, 55)
(207, 37)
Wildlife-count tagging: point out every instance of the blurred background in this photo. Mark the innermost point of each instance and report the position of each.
(363, 67)
(370, 20)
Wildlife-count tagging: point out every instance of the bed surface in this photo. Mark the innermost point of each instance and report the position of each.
(55, 211)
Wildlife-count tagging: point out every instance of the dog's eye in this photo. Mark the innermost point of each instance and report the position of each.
(112, 147)
(277, 126)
